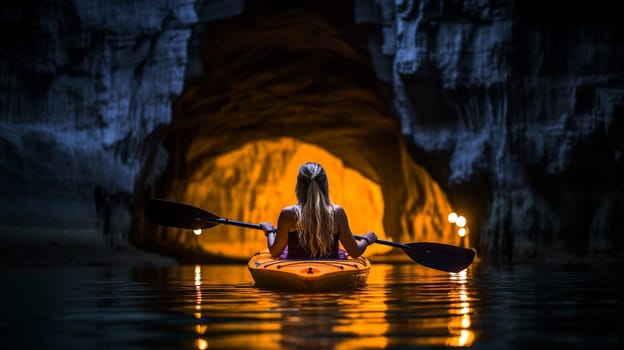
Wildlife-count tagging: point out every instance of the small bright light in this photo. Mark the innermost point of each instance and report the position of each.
(197, 231)
(452, 217)
(461, 221)
(202, 344)
(461, 232)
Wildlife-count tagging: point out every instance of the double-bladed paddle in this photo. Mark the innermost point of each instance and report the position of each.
(439, 256)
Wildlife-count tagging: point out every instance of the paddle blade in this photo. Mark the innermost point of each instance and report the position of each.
(176, 214)
(440, 256)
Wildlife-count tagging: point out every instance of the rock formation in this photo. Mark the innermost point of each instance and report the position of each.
(515, 107)
(510, 112)
(87, 89)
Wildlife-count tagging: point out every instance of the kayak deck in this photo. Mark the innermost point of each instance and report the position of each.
(308, 274)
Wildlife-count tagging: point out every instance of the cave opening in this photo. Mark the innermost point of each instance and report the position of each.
(281, 84)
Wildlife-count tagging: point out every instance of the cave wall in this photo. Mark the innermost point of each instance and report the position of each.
(516, 108)
(87, 88)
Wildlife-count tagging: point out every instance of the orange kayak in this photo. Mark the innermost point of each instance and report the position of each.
(308, 274)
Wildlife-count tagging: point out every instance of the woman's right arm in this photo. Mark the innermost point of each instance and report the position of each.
(354, 248)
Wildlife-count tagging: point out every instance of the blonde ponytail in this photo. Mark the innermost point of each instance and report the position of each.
(315, 211)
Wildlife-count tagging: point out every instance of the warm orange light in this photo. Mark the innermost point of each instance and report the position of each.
(452, 217)
(198, 292)
(461, 276)
(461, 232)
(365, 316)
(190, 304)
(465, 322)
(202, 344)
(461, 221)
(254, 182)
(465, 308)
(201, 328)
(460, 333)
(465, 338)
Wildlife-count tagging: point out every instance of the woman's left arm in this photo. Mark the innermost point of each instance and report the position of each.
(277, 239)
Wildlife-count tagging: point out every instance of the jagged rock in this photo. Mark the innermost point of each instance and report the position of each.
(513, 107)
(87, 87)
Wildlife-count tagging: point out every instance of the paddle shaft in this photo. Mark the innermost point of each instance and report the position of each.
(236, 223)
(259, 227)
(388, 243)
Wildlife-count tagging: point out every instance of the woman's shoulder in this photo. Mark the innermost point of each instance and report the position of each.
(288, 211)
(338, 207)
(288, 217)
(339, 210)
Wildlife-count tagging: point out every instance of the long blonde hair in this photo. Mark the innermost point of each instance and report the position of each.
(314, 210)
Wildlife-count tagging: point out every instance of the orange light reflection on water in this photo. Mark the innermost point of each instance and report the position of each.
(431, 309)
(459, 327)
(427, 308)
(364, 314)
(200, 328)
(243, 335)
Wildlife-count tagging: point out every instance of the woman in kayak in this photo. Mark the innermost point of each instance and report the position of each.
(313, 227)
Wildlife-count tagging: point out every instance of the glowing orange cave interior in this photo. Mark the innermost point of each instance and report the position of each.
(253, 182)
(271, 99)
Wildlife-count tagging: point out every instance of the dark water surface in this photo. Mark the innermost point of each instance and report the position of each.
(404, 306)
